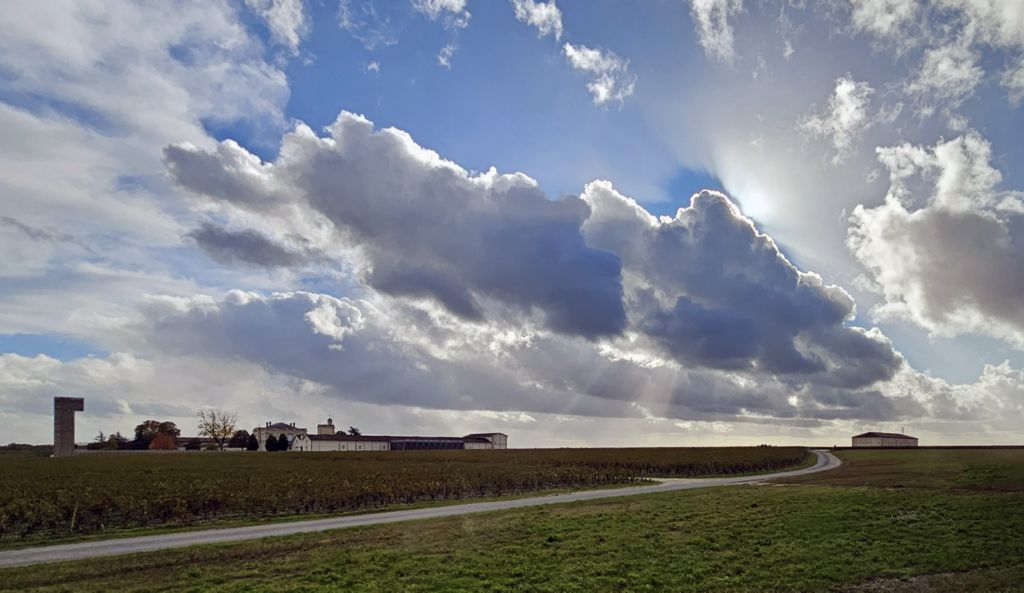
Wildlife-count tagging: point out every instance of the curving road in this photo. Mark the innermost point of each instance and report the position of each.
(149, 543)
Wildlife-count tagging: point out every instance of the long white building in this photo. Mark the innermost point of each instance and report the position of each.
(884, 439)
(329, 439)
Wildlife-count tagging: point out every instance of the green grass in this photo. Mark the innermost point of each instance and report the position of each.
(1000, 470)
(929, 535)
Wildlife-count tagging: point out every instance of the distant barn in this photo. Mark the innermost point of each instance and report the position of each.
(884, 439)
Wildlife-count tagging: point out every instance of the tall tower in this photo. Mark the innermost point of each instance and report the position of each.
(64, 409)
(326, 429)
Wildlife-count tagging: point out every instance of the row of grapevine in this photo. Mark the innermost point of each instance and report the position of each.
(42, 497)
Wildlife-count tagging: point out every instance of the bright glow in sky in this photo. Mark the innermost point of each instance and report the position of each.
(467, 216)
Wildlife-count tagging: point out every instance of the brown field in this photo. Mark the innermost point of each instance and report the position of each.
(43, 498)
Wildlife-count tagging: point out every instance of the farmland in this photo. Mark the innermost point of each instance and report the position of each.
(846, 535)
(42, 498)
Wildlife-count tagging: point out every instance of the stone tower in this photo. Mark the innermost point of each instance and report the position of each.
(64, 409)
(326, 429)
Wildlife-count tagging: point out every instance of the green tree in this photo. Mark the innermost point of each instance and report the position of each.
(147, 431)
(352, 430)
(254, 443)
(282, 442)
(118, 441)
(100, 442)
(271, 444)
(240, 439)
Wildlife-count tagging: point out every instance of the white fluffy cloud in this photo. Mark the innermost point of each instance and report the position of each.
(286, 20)
(844, 119)
(545, 16)
(713, 28)
(610, 80)
(944, 247)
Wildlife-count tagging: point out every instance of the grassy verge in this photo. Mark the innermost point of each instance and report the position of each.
(926, 536)
(996, 470)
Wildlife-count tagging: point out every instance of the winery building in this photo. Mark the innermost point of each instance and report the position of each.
(329, 439)
(884, 439)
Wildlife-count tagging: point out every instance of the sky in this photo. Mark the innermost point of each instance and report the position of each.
(590, 223)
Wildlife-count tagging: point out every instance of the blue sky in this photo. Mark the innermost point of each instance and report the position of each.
(867, 275)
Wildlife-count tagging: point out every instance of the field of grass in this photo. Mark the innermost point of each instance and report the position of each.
(924, 535)
(952, 469)
(44, 499)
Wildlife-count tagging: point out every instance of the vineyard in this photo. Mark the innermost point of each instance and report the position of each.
(42, 497)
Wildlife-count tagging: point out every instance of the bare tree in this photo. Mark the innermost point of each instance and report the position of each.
(219, 425)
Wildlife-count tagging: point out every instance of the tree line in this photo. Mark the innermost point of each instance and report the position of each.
(218, 426)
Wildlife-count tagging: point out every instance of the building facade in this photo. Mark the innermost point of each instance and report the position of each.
(345, 442)
(279, 430)
(884, 439)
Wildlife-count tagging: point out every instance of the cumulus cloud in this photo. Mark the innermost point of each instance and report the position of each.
(710, 290)
(699, 316)
(286, 20)
(713, 28)
(396, 202)
(545, 16)
(943, 248)
(845, 118)
(611, 80)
